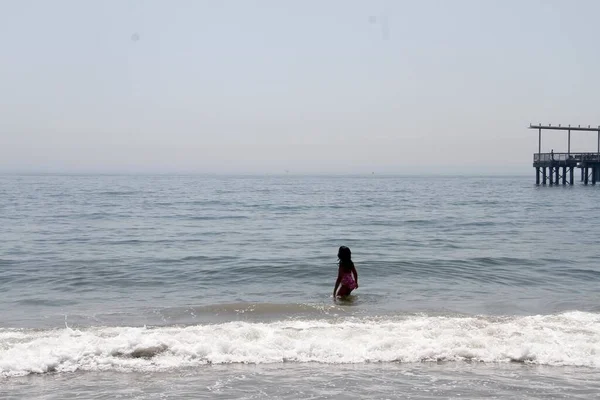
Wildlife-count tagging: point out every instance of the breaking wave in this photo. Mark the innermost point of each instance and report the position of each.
(568, 339)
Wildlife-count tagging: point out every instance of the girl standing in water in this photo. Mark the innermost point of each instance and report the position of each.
(347, 275)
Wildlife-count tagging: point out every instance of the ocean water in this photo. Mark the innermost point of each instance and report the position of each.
(184, 287)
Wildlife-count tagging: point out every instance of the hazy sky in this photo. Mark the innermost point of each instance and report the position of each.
(309, 86)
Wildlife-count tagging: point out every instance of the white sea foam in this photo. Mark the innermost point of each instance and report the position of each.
(566, 339)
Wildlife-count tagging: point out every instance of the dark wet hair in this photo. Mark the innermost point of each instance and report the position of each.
(345, 257)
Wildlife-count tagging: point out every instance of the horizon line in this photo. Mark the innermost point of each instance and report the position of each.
(255, 174)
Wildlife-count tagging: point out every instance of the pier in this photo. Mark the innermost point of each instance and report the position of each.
(559, 168)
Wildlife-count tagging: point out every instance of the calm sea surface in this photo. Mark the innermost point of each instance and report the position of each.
(144, 287)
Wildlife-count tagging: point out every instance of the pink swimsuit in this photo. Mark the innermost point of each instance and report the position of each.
(348, 280)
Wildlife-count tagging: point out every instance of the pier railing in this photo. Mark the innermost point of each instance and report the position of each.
(572, 157)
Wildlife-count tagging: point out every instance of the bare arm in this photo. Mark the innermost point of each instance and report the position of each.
(337, 282)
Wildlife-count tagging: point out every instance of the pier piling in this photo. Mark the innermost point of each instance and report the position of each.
(544, 176)
(571, 176)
